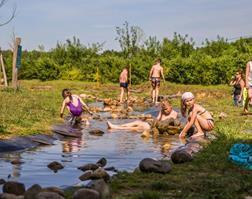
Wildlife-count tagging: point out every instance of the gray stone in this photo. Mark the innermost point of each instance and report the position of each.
(54, 189)
(102, 187)
(181, 156)
(55, 166)
(32, 191)
(10, 196)
(13, 187)
(86, 176)
(100, 173)
(48, 195)
(156, 166)
(96, 132)
(85, 193)
(88, 167)
(102, 162)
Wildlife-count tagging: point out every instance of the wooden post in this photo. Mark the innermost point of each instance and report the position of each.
(130, 75)
(3, 69)
(14, 63)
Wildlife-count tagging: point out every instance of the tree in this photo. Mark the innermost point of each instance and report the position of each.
(2, 2)
(129, 38)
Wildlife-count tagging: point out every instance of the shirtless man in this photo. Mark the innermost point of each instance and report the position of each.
(123, 79)
(154, 76)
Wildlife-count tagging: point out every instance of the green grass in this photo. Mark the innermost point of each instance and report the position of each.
(209, 175)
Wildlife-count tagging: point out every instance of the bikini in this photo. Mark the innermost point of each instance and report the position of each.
(210, 121)
(75, 110)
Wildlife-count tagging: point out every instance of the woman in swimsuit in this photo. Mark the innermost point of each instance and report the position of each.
(165, 113)
(238, 84)
(197, 116)
(74, 105)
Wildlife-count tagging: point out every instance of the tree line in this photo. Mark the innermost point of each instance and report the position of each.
(184, 62)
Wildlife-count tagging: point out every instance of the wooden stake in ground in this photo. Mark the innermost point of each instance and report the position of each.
(3, 69)
(14, 63)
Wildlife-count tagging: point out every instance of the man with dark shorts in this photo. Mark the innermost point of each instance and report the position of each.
(155, 77)
(124, 84)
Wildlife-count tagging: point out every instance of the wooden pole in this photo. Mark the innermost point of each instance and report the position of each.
(130, 75)
(14, 63)
(3, 69)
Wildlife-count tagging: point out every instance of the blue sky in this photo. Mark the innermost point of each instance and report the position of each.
(48, 21)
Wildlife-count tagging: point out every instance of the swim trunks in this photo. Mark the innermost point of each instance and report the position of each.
(155, 82)
(124, 84)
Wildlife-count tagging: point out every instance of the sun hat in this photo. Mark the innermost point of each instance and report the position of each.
(187, 95)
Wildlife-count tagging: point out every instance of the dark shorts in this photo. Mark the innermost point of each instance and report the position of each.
(124, 84)
(155, 82)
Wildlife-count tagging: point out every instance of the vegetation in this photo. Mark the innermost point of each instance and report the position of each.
(212, 63)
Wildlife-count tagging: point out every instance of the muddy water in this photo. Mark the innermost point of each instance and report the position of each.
(122, 149)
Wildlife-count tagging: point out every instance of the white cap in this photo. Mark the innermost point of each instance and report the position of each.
(187, 95)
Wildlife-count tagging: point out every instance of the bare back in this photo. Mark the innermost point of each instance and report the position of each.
(156, 71)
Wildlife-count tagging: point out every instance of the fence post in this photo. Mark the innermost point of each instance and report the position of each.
(14, 63)
(3, 69)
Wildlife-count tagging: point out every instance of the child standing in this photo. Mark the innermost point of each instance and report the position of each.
(238, 84)
(197, 116)
(123, 79)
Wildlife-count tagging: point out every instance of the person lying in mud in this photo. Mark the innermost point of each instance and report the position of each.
(197, 116)
(75, 106)
(165, 113)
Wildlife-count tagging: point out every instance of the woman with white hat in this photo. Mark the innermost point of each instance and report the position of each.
(197, 116)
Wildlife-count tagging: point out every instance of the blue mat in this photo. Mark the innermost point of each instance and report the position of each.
(241, 154)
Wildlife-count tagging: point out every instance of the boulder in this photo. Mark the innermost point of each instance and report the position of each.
(102, 187)
(169, 125)
(13, 187)
(32, 191)
(102, 162)
(85, 193)
(10, 196)
(48, 195)
(156, 166)
(54, 190)
(181, 156)
(55, 166)
(100, 173)
(96, 132)
(89, 166)
(86, 176)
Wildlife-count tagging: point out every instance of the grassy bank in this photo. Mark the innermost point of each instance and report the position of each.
(35, 107)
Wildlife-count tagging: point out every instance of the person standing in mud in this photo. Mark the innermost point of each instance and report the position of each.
(155, 77)
(124, 79)
(248, 85)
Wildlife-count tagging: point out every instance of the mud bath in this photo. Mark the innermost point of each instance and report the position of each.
(122, 149)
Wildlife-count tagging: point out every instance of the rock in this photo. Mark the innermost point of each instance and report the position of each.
(17, 161)
(55, 166)
(100, 173)
(97, 132)
(89, 166)
(2, 181)
(106, 109)
(10, 196)
(13, 187)
(156, 166)
(181, 156)
(55, 190)
(86, 176)
(85, 193)
(48, 195)
(32, 191)
(43, 139)
(102, 162)
(110, 169)
(102, 187)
